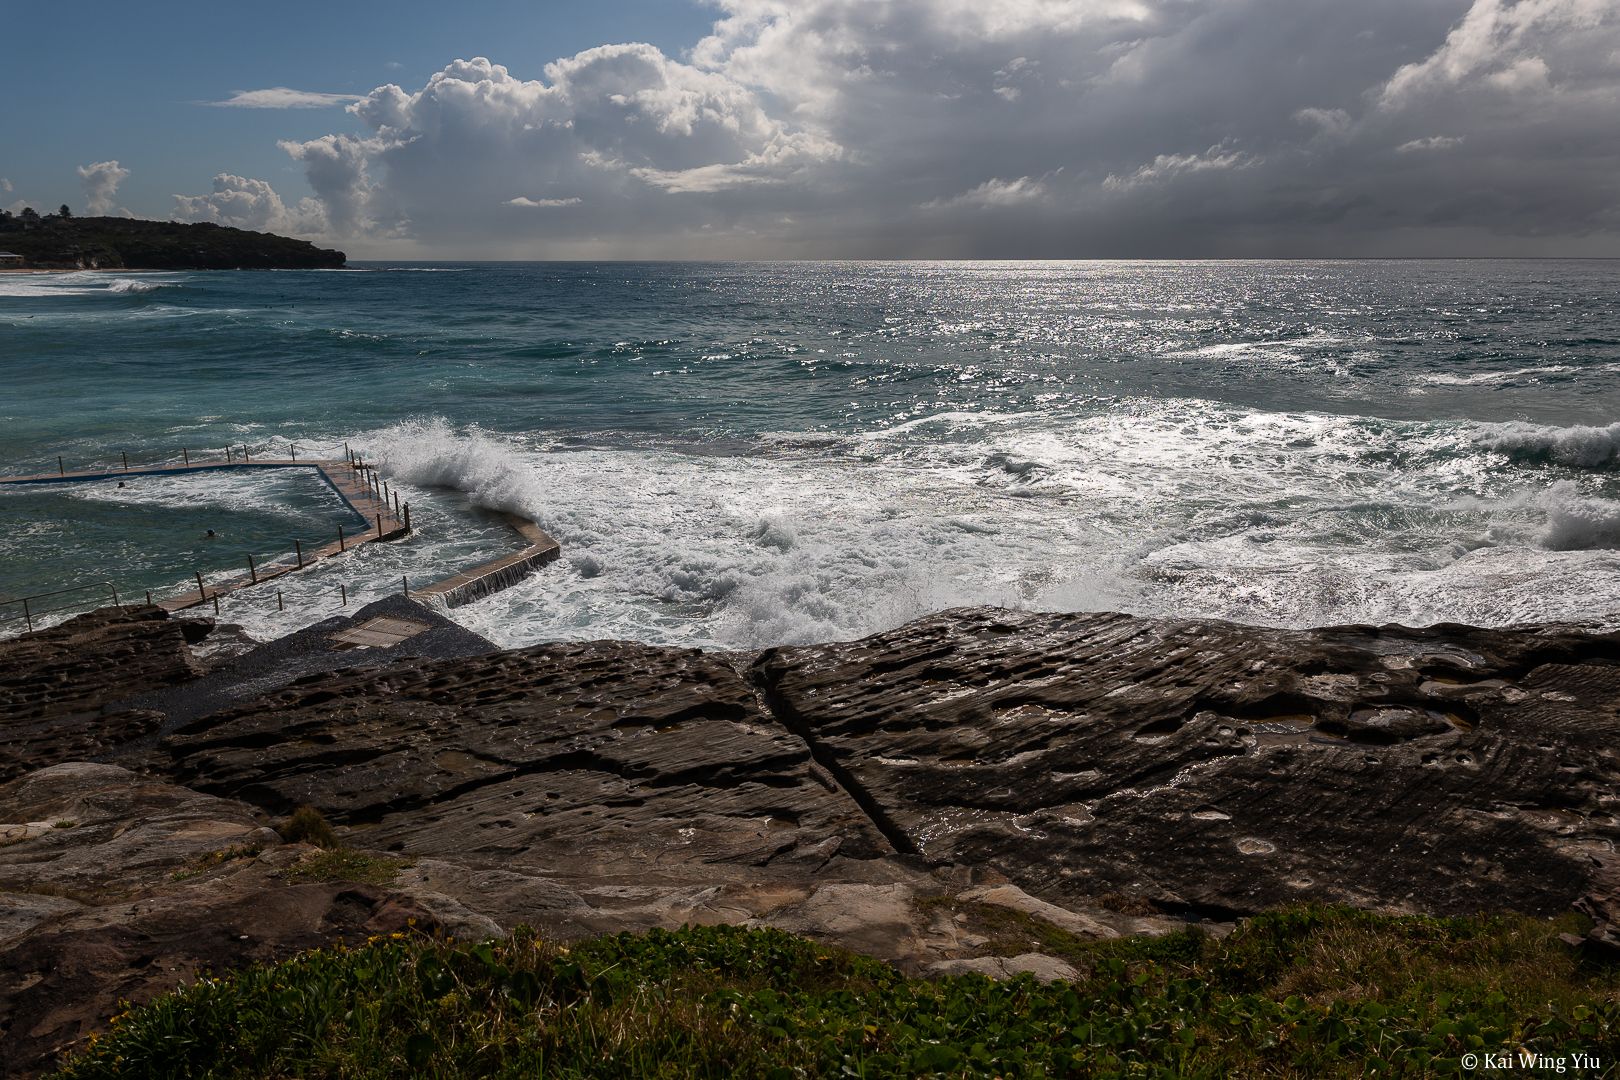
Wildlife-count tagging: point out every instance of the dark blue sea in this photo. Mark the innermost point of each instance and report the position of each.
(742, 454)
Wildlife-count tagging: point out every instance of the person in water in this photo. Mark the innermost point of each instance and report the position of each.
(209, 535)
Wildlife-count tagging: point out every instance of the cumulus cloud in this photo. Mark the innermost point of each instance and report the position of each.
(1165, 167)
(993, 193)
(5, 186)
(101, 180)
(245, 203)
(544, 204)
(282, 97)
(1018, 127)
(1433, 142)
(1498, 37)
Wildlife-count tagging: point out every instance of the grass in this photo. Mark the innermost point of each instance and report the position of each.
(307, 826)
(1304, 992)
(343, 864)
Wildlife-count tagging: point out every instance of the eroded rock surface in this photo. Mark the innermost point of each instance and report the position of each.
(91, 833)
(1212, 767)
(61, 688)
(604, 758)
(948, 796)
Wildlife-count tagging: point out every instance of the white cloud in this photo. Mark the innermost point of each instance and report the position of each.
(1329, 123)
(870, 127)
(1167, 166)
(1526, 75)
(993, 193)
(5, 186)
(543, 204)
(1433, 142)
(245, 203)
(282, 97)
(101, 180)
(1494, 37)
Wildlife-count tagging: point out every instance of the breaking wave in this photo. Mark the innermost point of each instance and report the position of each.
(1576, 523)
(1583, 446)
(131, 285)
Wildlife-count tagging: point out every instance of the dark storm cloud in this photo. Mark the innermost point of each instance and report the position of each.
(1005, 128)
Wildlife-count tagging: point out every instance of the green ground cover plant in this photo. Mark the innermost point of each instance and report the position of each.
(1304, 992)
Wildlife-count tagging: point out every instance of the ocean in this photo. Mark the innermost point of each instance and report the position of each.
(739, 455)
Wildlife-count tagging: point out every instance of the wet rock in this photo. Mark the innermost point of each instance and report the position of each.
(1209, 768)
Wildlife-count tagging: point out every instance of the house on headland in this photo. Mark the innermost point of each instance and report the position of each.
(10, 258)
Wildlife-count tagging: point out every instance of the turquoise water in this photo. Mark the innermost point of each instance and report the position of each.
(741, 454)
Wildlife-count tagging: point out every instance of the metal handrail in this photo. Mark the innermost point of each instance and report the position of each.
(29, 612)
(242, 451)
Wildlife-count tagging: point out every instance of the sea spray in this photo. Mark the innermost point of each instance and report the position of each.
(1581, 446)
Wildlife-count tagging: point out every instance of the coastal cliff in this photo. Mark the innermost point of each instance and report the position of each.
(113, 243)
(1099, 773)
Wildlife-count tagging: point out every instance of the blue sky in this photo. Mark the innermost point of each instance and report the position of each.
(121, 80)
(835, 128)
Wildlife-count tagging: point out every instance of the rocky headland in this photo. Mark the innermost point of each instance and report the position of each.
(1100, 773)
(115, 243)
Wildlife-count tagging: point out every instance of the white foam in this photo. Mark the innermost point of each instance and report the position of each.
(1582, 446)
(1171, 508)
(1578, 523)
(133, 285)
(1488, 378)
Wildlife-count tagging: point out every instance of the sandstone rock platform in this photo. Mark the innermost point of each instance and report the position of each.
(1095, 773)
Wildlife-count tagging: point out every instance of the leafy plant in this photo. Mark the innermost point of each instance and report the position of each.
(722, 1001)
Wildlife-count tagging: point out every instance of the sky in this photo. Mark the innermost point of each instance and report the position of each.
(833, 128)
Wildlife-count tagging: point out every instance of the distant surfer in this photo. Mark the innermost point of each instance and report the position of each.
(209, 535)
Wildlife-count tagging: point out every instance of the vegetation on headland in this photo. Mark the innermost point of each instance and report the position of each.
(1305, 992)
(63, 242)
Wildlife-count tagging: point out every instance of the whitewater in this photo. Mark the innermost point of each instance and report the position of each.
(738, 455)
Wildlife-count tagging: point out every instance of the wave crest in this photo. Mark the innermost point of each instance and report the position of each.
(131, 285)
(1575, 523)
(1582, 446)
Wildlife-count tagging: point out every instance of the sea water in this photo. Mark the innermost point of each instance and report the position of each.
(736, 455)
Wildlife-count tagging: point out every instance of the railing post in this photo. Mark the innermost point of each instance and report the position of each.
(185, 456)
(245, 453)
(253, 573)
(343, 591)
(61, 470)
(396, 502)
(279, 605)
(227, 455)
(407, 517)
(148, 597)
(379, 526)
(216, 605)
(340, 539)
(125, 455)
(294, 447)
(202, 593)
(299, 549)
(114, 589)
(405, 584)
(348, 454)
(28, 616)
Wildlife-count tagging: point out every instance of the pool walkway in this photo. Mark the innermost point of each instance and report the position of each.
(365, 493)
